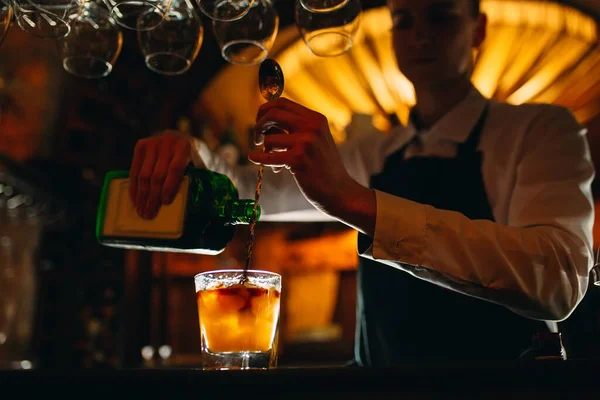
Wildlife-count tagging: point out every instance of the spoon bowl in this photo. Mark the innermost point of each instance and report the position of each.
(270, 79)
(271, 83)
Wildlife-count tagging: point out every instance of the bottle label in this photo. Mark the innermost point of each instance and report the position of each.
(122, 220)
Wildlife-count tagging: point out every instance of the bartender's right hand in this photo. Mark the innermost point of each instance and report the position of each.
(158, 166)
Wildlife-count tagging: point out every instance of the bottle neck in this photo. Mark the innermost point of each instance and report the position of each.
(240, 212)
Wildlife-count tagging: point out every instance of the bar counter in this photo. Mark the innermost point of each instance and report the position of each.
(535, 380)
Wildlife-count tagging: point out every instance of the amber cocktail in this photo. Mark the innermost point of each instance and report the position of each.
(238, 318)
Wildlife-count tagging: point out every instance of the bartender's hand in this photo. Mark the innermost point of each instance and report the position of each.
(313, 158)
(157, 169)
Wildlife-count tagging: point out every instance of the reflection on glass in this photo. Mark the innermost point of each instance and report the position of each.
(94, 44)
(322, 5)
(5, 17)
(127, 12)
(172, 47)
(43, 18)
(595, 275)
(329, 34)
(224, 10)
(247, 41)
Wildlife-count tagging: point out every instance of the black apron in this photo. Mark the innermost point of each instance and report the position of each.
(404, 319)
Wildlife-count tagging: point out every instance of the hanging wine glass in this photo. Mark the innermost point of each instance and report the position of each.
(225, 10)
(127, 12)
(43, 18)
(94, 44)
(323, 5)
(247, 41)
(5, 18)
(329, 34)
(172, 47)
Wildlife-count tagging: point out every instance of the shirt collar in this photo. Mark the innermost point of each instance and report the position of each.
(457, 124)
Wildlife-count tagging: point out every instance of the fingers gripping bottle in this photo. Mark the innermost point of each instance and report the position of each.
(201, 219)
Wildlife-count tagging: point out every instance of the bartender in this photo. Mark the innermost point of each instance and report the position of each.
(474, 220)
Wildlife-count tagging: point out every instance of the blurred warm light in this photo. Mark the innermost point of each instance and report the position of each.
(535, 51)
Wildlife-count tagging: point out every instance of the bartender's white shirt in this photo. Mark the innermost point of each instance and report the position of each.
(537, 171)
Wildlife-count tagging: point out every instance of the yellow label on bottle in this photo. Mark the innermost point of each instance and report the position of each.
(122, 219)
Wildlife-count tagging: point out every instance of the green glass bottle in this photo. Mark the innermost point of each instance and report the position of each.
(201, 219)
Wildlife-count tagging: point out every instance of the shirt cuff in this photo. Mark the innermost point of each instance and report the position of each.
(199, 152)
(400, 231)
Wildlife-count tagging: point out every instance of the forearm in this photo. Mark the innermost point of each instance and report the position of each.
(356, 207)
(540, 272)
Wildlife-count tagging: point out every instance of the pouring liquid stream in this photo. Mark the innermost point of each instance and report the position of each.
(270, 81)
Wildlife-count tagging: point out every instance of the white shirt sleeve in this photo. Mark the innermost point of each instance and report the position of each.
(536, 265)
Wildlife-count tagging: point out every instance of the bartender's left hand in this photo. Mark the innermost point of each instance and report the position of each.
(312, 157)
